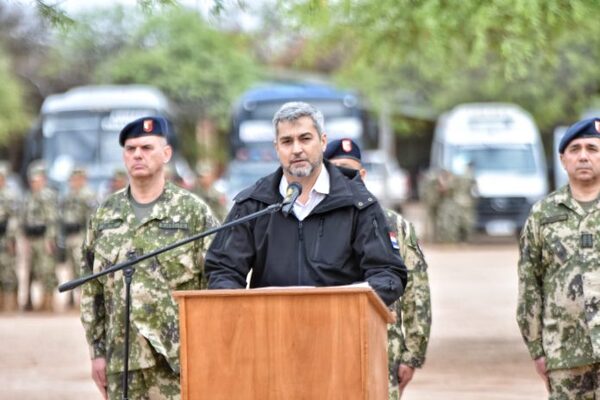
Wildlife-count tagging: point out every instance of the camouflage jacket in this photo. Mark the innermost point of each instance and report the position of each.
(112, 233)
(8, 216)
(40, 210)
(559, 282)
(76, 207)
(413, 309)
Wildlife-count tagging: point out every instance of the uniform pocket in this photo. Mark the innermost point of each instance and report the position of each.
(106, 252)
(179, 266)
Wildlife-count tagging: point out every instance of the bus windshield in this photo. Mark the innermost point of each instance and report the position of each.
(510, 159)
(84, 138)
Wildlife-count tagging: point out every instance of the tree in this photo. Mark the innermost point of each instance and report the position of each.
(433, 54)
(202, 69)
(13, 117)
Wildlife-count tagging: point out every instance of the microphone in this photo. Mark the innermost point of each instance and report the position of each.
(292, 193)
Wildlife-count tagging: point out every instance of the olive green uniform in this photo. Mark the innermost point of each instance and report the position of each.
(38, 223)
(409, 336)
(8, 234)
(559, 292)
(113, 233)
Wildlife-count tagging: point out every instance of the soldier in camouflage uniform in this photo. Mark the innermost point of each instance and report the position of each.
(429, 196)
(205, 189)
(409, 336)
(75, 209)
(464, 196)
(447, 220)
(38, 224)
(8, 236)
(148, 214)
(559, 273)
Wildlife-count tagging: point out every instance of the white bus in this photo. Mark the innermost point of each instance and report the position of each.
(81, 126)
(503, 144)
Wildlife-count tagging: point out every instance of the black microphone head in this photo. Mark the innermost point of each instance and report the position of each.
(295, 186)
(293, 191)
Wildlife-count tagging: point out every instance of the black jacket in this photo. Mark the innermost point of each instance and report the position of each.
(343, 240)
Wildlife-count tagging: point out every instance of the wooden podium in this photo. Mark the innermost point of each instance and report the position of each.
(283, 344)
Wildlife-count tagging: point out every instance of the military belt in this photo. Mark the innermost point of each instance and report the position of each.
(34, 231)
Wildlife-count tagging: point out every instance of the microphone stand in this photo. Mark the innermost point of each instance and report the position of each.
(133, 259)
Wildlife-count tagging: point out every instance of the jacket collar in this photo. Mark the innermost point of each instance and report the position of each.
(345, 189)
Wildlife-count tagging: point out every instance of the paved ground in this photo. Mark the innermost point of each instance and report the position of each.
(475, 351)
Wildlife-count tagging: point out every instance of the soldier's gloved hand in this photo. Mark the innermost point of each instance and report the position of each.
(99, 375)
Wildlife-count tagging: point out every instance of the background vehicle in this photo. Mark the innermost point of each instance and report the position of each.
(504, 145)
(385, 179)
(81, 127)
(251, 135)
(241, 174)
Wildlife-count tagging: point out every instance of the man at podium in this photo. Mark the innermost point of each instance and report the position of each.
(335, 234)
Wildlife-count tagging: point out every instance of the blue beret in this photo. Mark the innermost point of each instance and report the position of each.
(342, 148)
(145, 126)
(582, 129)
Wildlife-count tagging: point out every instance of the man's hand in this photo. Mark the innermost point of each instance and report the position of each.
(405, 375)
(540, 368)
(99, 375)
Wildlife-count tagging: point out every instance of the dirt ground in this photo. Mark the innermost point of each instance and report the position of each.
(475, 351)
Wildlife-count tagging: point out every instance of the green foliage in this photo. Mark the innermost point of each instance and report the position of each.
(434, 54)
(202, 69)
(13, 117)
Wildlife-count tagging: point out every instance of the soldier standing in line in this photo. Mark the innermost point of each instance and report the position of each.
(205, 189)
(429, 197)
(75, 209)
(148, 214)
(409, 336)
(447, 219)
(8, 244)
(466, 202)
(559, 272)
(38, 224)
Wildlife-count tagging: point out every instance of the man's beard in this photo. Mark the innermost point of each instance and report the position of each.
(302, 172)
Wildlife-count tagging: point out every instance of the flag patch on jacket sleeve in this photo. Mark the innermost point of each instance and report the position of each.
(394, 240)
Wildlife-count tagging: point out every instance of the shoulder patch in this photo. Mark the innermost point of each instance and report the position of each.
(554, 218)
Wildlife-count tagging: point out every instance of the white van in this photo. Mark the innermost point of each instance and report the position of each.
(504, 145)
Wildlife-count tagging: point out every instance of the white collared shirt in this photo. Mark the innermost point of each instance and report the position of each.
(316, 195)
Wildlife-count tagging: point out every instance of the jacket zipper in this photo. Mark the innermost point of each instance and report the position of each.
(300, 251)
(319, 236)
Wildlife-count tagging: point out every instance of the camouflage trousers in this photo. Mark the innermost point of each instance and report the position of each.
(73, 253)
(156, 383)
(581, 383)
(8, 273)
(40, 264)
(447, 222)
(73, 263)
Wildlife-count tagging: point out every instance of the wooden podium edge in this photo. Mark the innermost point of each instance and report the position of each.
(374, 299)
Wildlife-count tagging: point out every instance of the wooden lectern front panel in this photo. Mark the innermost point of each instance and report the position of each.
(281, 347)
